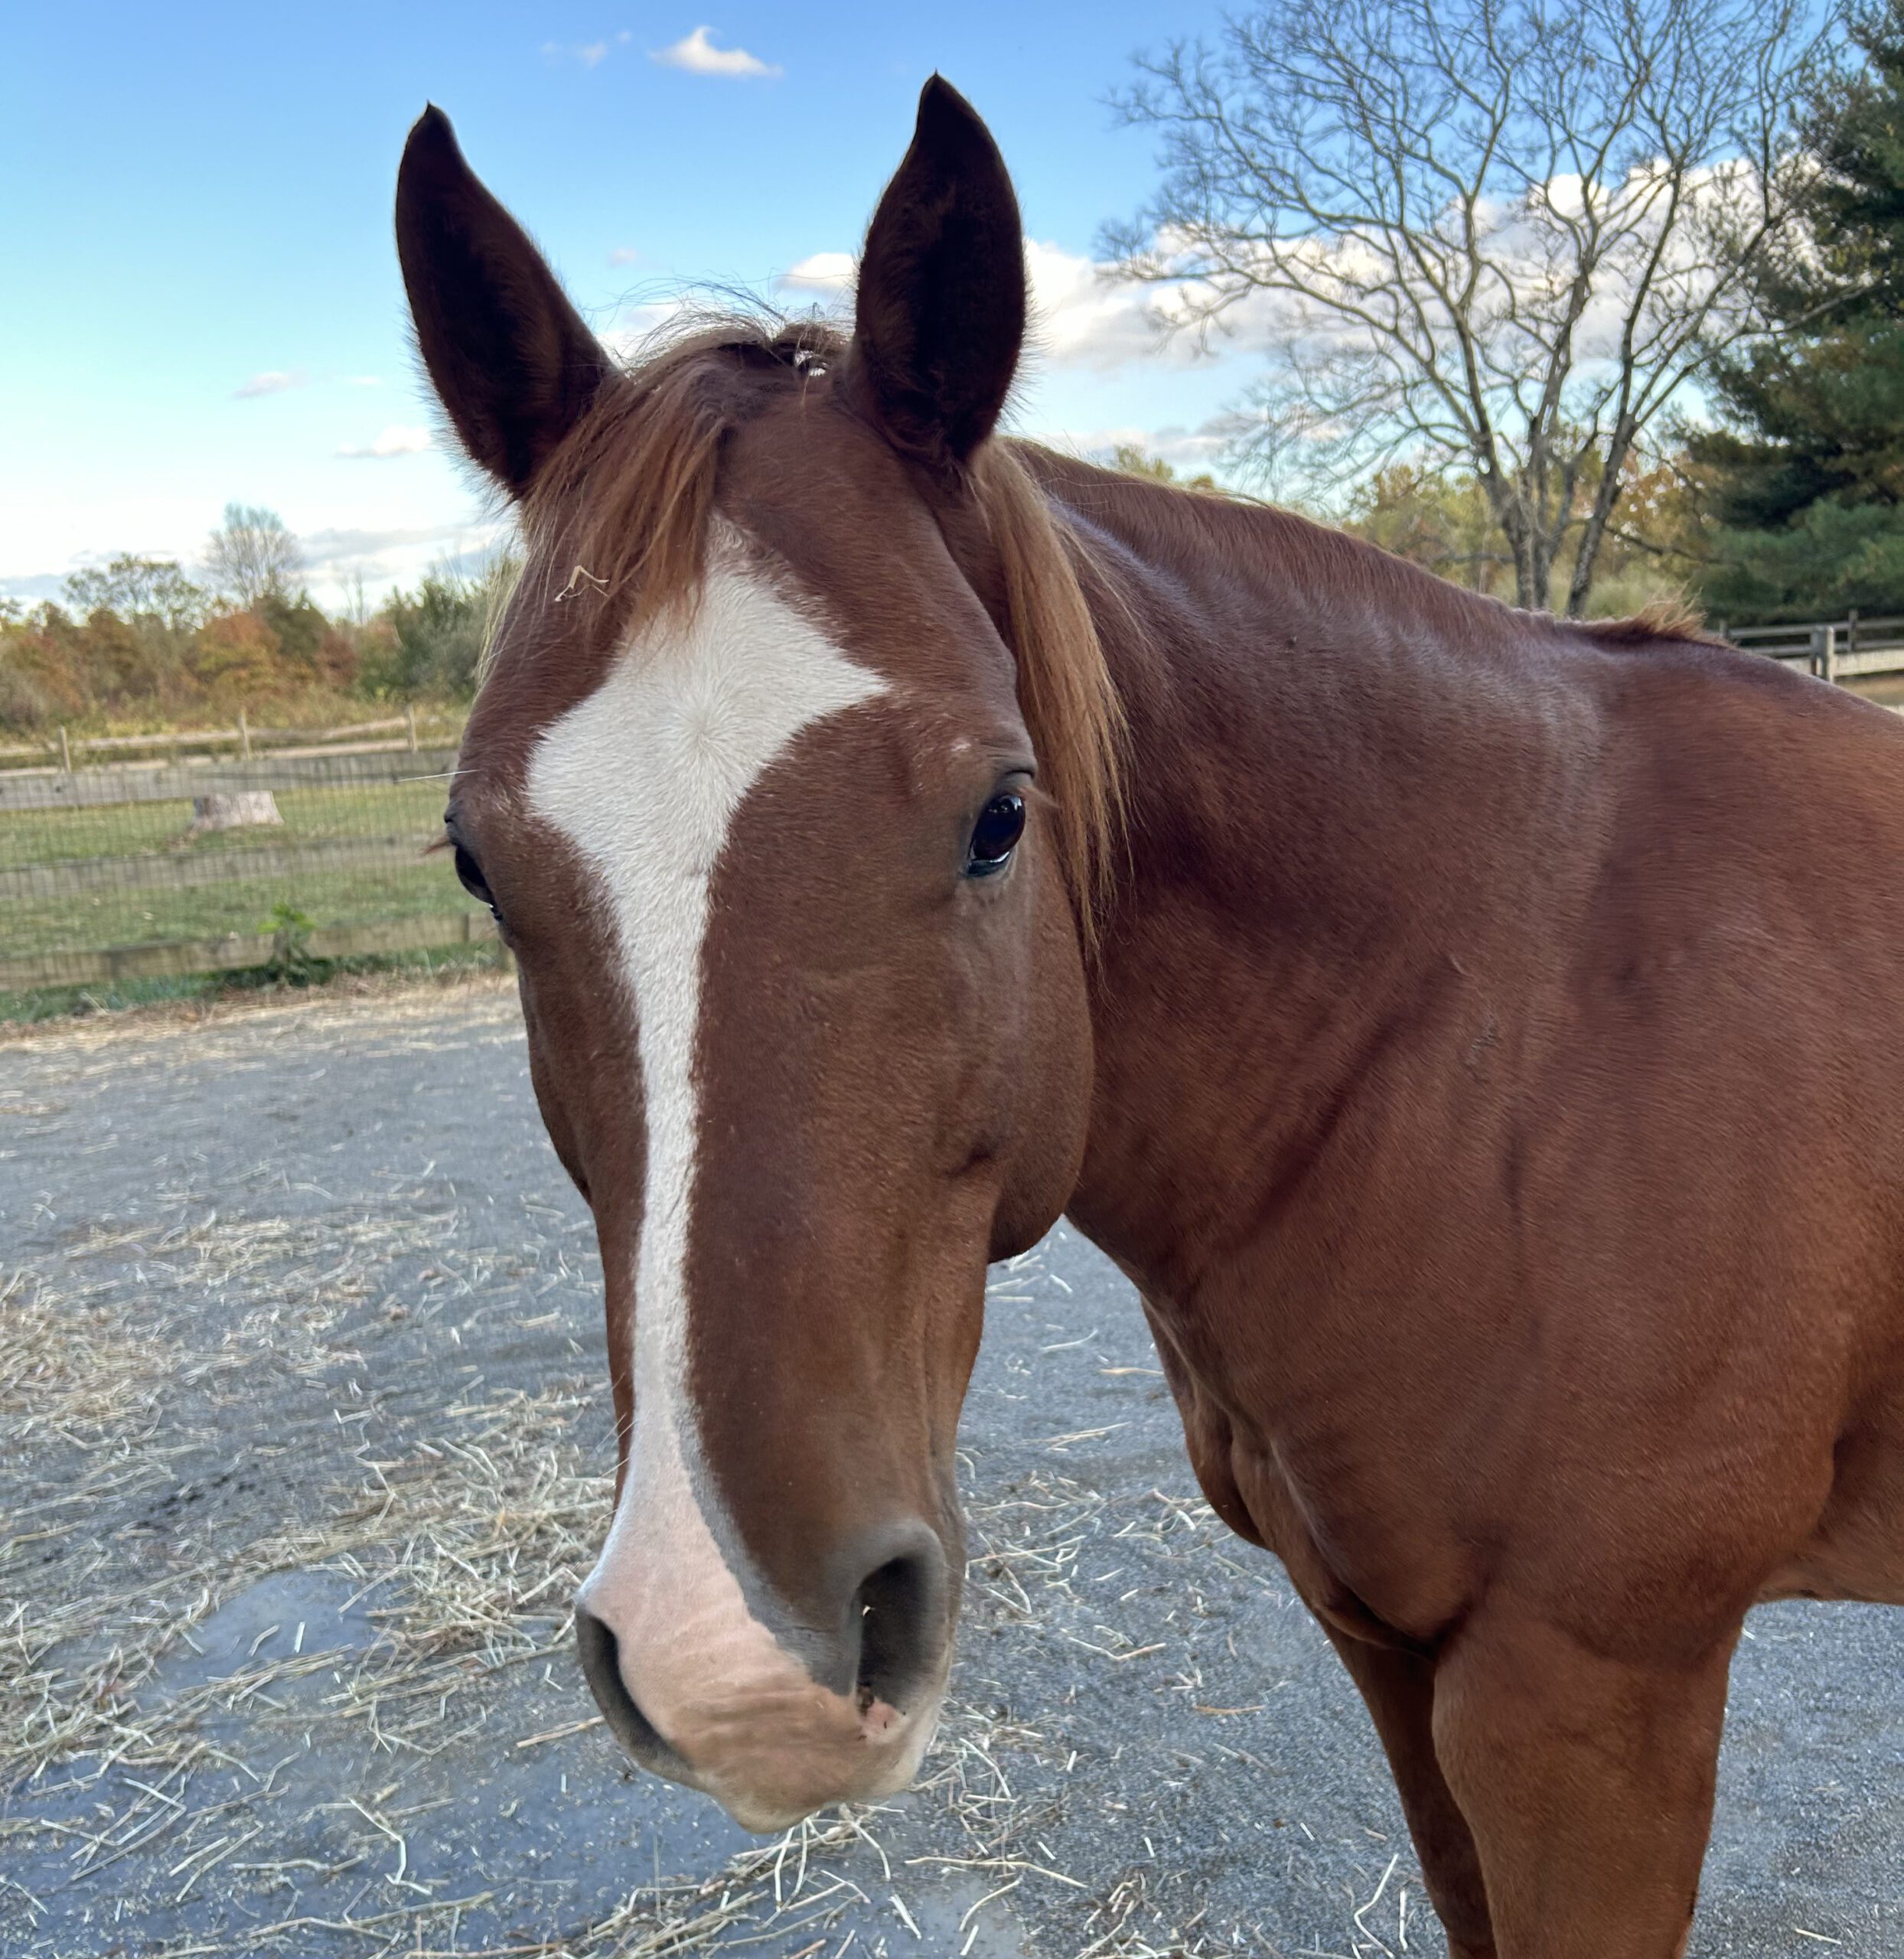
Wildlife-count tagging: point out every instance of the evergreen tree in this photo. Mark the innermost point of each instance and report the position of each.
(1808, 479)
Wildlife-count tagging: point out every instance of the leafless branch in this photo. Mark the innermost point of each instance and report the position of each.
(1480, 233)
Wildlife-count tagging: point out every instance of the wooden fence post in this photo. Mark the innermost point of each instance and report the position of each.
(244, 734)
(66, 753)
(1828, 658)
(1853, 648)
(409, 716)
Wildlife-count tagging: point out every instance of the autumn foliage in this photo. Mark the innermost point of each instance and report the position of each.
(107, 666)
(138, 643)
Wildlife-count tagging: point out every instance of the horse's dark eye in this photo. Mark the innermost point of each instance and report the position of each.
(994, 835)
(470, 878)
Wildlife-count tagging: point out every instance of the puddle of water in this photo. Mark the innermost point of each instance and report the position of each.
(289, 1613)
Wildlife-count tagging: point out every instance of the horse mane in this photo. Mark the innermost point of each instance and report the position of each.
(1661, 619)
(623, 512)
(1323, 557)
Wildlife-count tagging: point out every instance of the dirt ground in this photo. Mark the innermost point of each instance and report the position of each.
(306, 1443)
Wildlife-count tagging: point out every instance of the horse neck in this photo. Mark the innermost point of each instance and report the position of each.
(1341, 782)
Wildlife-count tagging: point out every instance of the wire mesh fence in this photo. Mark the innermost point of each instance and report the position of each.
(126, 858)
(139, 856)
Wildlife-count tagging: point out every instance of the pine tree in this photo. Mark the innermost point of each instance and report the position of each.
(1807, 478)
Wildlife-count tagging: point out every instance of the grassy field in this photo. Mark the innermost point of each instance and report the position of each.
(357, 977)
(99, 919)
(138, 916)
(310, 816)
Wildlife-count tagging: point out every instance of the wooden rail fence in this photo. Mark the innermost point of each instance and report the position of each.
(1835, 649)
(241, 736)
(177, 781)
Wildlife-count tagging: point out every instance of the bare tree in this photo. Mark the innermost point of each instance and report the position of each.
(1496, 236)
(253, 556)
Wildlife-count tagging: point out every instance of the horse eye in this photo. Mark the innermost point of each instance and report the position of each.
(470, 878)
(994, 835)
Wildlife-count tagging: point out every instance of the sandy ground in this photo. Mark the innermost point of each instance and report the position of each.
(306, 1442)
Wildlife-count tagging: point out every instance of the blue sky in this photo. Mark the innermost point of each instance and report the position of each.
(202, 298)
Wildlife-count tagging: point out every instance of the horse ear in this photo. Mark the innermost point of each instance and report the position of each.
(940, 313)
(509, 356)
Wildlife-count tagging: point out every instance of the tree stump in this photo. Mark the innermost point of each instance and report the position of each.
(233, 811)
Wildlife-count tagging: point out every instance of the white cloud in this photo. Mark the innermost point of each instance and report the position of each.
(347, 549)
(364, 380)
(398, 439)
(1189, 451)
(698, 55)
(31, 588)
(637, 327)
(273, 381)
(590, 54)
(826, 273)
(335, 558)
(623, 255)
(1080, 318)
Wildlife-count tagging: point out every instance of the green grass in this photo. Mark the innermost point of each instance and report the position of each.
(310, 816)
(45, 1003)
(96, 920)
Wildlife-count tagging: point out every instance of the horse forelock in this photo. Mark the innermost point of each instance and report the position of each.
(623, 522)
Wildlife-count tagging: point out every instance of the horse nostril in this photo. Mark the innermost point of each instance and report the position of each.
(898, 1607)
(601, 1667)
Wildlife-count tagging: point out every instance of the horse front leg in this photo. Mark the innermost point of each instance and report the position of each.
(1399, 1688)
(1587, 1780)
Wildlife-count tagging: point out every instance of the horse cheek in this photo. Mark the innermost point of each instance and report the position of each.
(1051, 1075)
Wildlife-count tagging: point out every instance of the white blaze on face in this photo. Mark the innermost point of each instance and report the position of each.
(644, 778)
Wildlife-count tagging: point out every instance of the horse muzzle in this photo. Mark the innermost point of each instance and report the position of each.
(704, 1683)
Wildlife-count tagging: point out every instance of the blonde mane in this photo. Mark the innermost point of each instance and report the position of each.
(621, 516)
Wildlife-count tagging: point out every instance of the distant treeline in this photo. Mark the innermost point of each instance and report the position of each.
(143, 640)
(140, 641)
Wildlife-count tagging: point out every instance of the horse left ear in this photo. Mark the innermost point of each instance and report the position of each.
(509, 355)
(941, 314)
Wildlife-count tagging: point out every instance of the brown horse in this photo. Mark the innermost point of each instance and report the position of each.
(1476, 1035)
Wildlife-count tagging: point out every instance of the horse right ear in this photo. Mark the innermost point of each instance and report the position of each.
(509, 356)
(941, 312)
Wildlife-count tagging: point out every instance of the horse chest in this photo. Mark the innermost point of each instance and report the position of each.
(1369, 1543)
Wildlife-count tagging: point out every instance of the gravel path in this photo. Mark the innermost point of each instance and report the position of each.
(307, 1433)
